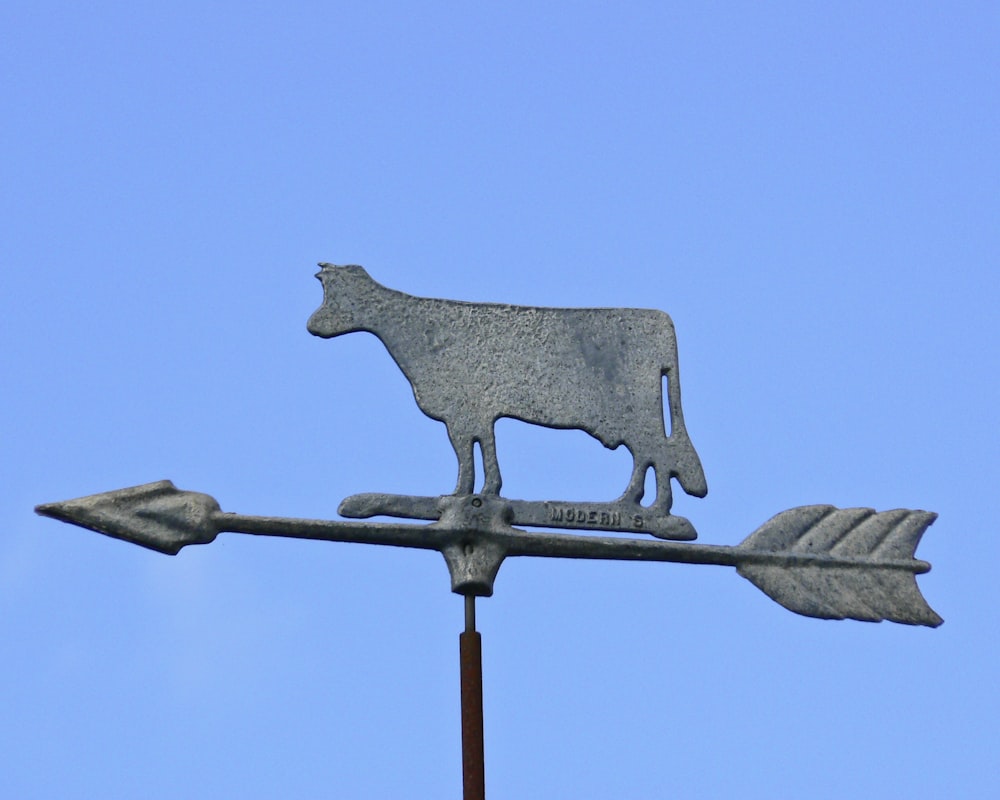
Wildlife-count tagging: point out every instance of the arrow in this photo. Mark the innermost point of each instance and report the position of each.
(819, 561)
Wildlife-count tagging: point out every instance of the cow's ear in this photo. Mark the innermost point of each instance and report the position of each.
(356, 270)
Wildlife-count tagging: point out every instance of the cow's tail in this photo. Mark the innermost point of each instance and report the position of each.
(685, 463)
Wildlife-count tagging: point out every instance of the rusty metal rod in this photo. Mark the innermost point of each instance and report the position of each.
(471, 655)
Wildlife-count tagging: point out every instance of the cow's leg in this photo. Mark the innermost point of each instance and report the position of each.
(664, 492)
(676, 458)
(637, 483)
(663, 467)
(491, 467)
(462, 442)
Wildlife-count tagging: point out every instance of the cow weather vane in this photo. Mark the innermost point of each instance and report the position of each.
(600, 370)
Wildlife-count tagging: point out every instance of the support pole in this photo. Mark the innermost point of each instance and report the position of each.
(471, 655)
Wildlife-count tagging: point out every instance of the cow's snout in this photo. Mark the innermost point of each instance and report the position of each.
(321, 324)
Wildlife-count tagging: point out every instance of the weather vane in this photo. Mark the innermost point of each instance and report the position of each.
(600, 370)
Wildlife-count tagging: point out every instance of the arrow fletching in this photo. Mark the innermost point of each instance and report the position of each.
(155, 515)
(850, 563)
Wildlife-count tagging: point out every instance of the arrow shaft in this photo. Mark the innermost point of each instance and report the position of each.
(553, 545)
(611, 548)
(418, 536)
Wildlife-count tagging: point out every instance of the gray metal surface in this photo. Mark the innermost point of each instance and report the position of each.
(601, 370)
(618, 516)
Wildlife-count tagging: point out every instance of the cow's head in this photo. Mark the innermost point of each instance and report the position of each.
(345, 293)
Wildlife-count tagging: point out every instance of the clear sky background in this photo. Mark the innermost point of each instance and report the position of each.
(811, 190)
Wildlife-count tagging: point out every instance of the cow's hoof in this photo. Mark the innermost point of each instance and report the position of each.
(672, 527)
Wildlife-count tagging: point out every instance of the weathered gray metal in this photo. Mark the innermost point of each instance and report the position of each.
(620, 516)
(600, 370)
(815, 560)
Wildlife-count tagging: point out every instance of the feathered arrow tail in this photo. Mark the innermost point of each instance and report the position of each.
(850, 563)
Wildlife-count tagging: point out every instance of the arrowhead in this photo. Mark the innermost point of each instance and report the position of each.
(155, 515)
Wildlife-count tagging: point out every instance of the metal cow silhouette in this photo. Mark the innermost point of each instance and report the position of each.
(600, 370)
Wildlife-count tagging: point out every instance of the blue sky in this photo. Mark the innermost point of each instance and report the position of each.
(810, 190)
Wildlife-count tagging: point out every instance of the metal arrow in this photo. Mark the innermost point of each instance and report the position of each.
(818, 561)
